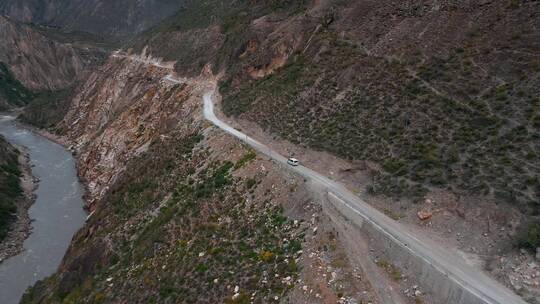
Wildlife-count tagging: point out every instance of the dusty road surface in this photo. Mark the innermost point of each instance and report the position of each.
(454, 267)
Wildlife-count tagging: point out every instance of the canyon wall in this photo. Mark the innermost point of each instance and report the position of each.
(41, 63)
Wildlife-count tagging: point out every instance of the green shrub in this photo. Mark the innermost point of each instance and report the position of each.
(250, 183)
(529, 237)
(10, 188)
(249, 156)
(11, 89)
(395, 166)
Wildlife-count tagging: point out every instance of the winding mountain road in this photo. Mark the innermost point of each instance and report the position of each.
(473, 280)
(483, 289)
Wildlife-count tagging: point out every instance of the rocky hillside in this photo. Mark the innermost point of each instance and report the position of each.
(365, 79)
(428, 101)
(118, 18)
(431, 105)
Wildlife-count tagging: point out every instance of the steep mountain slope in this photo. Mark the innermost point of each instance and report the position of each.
(365, 79)
(16, 197)
(468, 102)
(118, 18)
(12, 92)
(432, 102)
(39, 62)
(42, 66)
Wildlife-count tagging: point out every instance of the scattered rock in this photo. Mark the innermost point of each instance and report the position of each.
(424, 215)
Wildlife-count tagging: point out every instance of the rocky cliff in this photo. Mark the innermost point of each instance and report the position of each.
(120, 111)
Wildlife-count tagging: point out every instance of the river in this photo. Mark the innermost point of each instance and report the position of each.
(56, 215)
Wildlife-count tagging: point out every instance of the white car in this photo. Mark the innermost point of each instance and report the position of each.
(293, 162)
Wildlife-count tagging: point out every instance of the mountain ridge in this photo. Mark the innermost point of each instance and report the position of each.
(112, 19)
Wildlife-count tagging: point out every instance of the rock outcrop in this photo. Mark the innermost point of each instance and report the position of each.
(120, 111)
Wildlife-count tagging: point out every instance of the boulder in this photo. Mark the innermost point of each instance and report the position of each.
(424, 215)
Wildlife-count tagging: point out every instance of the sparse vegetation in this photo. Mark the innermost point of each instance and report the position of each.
(249, 156)
(392, 271)
(468, 138)
(47, 108)
(184, 234)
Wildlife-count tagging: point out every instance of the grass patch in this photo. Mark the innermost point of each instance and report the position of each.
(249, 156)
(390, 269)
